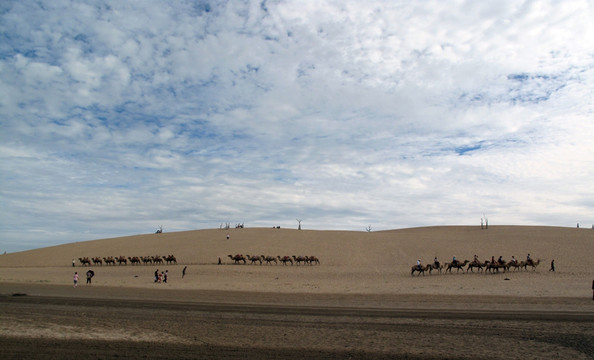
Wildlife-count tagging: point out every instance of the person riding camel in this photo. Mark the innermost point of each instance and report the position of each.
(529, 260)
(500, 260)
(454, 261)
(436, 262)
(476, 260)
(513, 260)
(419, 264)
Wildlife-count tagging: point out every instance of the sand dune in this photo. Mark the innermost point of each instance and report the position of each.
(351, 262)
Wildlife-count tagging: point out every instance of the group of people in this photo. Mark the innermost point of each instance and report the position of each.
(161, 276)
(90, 275)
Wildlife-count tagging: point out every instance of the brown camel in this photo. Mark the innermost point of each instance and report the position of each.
(170, 259)
(312, 259)
(534, 264)
(122, 260)
(85, 261)
(269, 259)
(299, 259)
(147, 260)
(515, 264)
(134, 260)
(458, 265)
(237, 258)
(285, 259)
(477, 264)
(420, 268)
(157, 259)
(254, 258)
(496, 266)
(109, 261)
(434, 266)
(97, 260)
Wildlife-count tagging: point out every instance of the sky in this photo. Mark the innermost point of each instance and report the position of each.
(117, 117)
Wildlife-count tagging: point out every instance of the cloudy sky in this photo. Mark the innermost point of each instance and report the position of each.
(117, 117)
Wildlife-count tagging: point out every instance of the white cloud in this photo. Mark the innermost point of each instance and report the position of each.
(119, 117)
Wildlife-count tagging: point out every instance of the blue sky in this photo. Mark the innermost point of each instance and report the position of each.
(117, 117)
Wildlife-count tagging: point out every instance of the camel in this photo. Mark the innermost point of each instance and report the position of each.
(420, 268)
(458, 265)
(496, 266)
(122, 259)
(516, 265)
(147, 260)
(268, 259)
(85, 261)
(254, 258)
(434, 266)
(97, 260)
(109, 260)
(134, 260)
(170, 259)
(285, 259)
(157, 259)
(477, 264)
(299, 259)
(534, 264)
(237, 258)
(312, 259)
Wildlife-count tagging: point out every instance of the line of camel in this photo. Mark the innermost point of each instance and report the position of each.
(122, 260)
(481, 266)
(268, 260)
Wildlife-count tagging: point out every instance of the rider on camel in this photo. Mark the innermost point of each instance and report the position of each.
(454, 261)
(500, 260)
(436, 262)
(419, 264)
(529, 260)
(476, 260)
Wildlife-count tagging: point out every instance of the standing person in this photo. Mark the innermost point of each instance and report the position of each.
(73, 263)
(75, 278)
(592, 289)
(227, 236)
(90, 275)
(184, 271)
(552, 265)
(165, 276)
(156, 275)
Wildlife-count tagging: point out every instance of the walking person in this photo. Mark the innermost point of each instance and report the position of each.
(75, 279)
(184, 271)
(165, 276)
(73, 263)
(90, 275)
(552, 266)
(156, 275)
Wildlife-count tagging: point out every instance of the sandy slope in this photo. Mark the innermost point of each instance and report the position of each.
(351, 262)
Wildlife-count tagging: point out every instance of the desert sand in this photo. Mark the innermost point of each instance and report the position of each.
(359, 302)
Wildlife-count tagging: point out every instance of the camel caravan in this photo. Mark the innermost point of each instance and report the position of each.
(123, 260)
(268, 259)
(491, 266)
